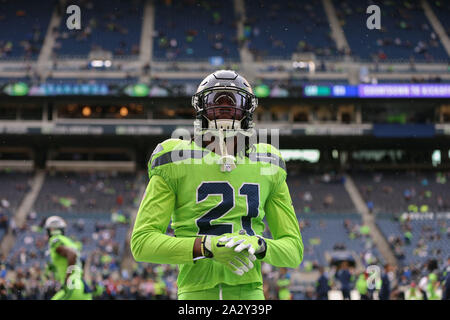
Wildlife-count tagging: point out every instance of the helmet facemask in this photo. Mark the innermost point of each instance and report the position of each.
(55, 232)
(224, 108)
(223, 113)
(224, 104)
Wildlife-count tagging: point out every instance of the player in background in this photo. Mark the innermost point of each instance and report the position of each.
(65, 262)
(217, 188)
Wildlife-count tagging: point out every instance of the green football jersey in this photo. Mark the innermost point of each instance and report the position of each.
(59, 262)
(188, 187)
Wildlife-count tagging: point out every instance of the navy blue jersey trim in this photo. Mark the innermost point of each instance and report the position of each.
(183, 154)
(268, 157)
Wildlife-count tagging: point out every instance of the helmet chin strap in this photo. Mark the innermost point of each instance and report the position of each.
(226, 128)
(222, 129)
(227, 161)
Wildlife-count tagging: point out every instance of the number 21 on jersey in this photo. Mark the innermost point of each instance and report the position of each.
(226, 191)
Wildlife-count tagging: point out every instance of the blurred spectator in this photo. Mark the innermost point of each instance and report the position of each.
(423, 284)
(322, 285)
(413, 293)
(446, 288)
(3, 221)
(432, 287)
(283, 284)
(361, 286)
(385, 290)
(344, 276)
(328, 200)
(370, 206)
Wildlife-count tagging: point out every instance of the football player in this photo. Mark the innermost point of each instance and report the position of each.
(65, 262)
(216, 189)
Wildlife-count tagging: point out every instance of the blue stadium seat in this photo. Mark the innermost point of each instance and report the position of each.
(85, 193)
(13, 187)
(29, 21)
(430, 239)
(281, 28)
(111, 25)
(405, 31)
(321, 233)
(442, 11)
(188, 30)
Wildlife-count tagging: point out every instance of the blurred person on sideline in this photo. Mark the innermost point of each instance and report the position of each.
(361, 286)
(385, 290)
(432, 287)
(322, 285)
(423, 283)
(446, 287)
(344, 276)
(413, 293)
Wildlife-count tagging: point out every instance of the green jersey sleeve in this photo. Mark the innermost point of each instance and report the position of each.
(286, 247)
(161, 158)
(149, 243)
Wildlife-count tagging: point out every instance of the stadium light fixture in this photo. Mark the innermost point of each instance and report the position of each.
(436, 158)
(86, 111)
(299, 65)
(98, 63)
(123, 111)
(303, 65)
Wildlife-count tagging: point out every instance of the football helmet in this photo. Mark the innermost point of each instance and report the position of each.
(225, 102)
(55, 225)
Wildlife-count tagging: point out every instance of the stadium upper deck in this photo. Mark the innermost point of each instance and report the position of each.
(199, 30)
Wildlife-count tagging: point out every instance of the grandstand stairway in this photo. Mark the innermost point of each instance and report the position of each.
(45, 56)
(336, 30)
(247, 60)
(369, 220)
(146, 43)
(437, 26)
(21, 214)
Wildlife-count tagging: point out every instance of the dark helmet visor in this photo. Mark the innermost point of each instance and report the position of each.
(225, 98)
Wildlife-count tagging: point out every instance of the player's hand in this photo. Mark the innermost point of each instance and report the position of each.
(237, 262)
(241, 242)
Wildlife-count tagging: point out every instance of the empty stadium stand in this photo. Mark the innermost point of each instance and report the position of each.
(416, 241)
(281, 28)
(442, 10)
(325, 235)
(405, 33)
(114, 26)
(85, 193)
(319, 193)
(30, 20)
(198, 36)
(13, 187)
(398, 192)
(195, 30)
